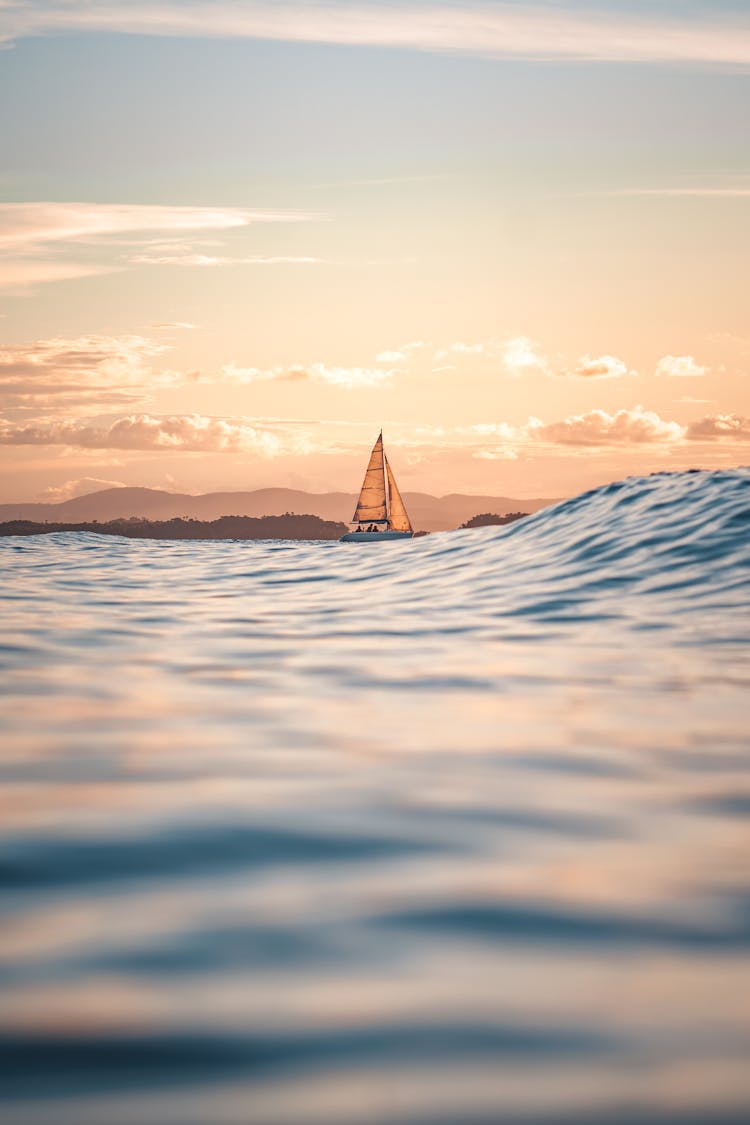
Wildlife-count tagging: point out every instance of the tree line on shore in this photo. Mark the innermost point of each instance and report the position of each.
(491, 519)
(288, 526)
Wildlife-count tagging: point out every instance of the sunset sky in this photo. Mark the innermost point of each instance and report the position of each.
(237, 238)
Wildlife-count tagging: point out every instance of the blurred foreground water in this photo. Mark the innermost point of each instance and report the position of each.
(447, 831)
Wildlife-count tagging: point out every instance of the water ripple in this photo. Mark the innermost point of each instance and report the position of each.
(452, 830)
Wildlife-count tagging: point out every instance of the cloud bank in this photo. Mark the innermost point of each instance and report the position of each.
(192, 433)
(94, 372)
(597, 427)
(195, 433)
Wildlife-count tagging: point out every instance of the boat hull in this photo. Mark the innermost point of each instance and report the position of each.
(374, 536)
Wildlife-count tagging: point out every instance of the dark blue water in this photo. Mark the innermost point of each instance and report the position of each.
(447, 831)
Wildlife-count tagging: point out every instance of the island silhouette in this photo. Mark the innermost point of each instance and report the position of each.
(492, 519)
(287, 526)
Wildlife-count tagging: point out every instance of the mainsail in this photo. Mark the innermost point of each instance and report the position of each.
(397, 517)
(371, 506)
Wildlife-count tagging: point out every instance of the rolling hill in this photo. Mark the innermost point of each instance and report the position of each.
(428, 513)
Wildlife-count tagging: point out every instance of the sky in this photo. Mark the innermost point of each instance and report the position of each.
(238, 238)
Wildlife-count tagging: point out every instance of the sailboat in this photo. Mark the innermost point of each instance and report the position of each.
(380, 505)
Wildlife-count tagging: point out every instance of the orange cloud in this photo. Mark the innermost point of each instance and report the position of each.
(718, 426)
(190, 433)
(603, 367)
(597, 427)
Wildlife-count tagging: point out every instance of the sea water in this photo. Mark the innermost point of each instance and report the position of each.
(444, 831)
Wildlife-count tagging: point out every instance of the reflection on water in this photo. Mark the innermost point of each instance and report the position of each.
(449, 831)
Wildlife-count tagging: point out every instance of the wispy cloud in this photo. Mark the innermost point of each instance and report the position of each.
(459, 348)
(81, 487)
(35, 224)
(498, 454)
(503, 30)
(381, 181)
(20, 275)
(404, 353)
(349, 378)
(210, 260)
(520, 355)
(87, 371)
(391, 357)
(717, 192)
(29, 231)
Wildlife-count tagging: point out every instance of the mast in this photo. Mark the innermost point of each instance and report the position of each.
(385, 486)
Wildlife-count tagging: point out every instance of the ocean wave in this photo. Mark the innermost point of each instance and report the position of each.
(446, 830)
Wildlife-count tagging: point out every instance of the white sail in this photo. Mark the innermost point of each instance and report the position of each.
(371, 506)
(398, 520)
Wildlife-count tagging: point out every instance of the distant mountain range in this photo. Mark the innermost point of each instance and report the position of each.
(428, 513)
